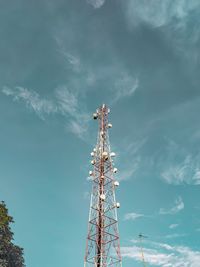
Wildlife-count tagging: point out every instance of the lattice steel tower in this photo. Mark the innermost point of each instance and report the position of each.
(103, 248)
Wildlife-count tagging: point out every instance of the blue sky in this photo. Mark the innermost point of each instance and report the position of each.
(60, 60)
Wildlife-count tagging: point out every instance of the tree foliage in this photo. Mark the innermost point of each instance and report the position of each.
(10, 254)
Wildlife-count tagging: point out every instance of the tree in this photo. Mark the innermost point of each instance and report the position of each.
(10, 254)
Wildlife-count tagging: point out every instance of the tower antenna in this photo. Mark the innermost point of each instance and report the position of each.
(141, 237)
(103, 247)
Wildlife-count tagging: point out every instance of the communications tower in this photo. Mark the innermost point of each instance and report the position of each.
(103, 247)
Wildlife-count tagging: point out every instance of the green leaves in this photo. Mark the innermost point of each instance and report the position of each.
(10, 254)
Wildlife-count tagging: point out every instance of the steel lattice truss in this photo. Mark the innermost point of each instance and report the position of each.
(103, 248)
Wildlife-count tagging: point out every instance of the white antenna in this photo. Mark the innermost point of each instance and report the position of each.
(141, 237)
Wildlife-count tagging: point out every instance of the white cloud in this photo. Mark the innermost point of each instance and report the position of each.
(32, 100)
(177, 19)
(132, 151)
(180, 167)
(78, 128)
(130, 170)
(178, 206)
(152, 256)
(67, 101)
(116, 77)
(175, 235)
(174, 225)
(72, 58)
(96, 3)
(7, 91)
(68, 104)
(125, 86)
(64, 102)
(159, 13)
(185, 172)
(132, 216)
(74, 61)
(134, 147)
(164, 255)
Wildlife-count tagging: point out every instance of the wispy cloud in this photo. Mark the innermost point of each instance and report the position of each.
(69, 105)
(96, 3)
(159, 13)
(173, 226)
(175, 235)
(132, 216)
(178, 206)
(125, 86)
(177, 19)
(185, 172)
(131, 150)
(67, 101)
(79, 128)
(32, 100)
(130, 170)
(119, 81)
(73, 61)
(63, 102)
(134, 147)
(71, 58)
(165, 255)
(180, 166)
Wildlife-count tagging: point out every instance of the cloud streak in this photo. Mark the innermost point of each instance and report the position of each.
(185, 172)
(176, 19)
(125, 86)
(159, 13)
(96, 3)
(32, 100)
(114, 76)
(173, 226)
(130, 170)
(178, 206)
(175, 235)
(165, 255)
(132, 216)
(64, 103)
